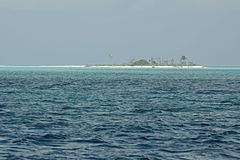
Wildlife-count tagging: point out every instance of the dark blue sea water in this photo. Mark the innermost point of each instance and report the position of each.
(74, 113)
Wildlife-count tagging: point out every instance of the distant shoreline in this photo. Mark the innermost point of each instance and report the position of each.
(146, 66)
(107, 66)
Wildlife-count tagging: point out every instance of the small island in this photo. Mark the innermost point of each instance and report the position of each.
(152, 63)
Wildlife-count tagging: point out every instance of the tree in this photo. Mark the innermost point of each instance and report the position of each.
(160, 61)
(172, 62)
(141, 62)
(153, 62)
(183, 60)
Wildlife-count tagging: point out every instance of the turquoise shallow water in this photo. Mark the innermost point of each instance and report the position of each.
(82, 113)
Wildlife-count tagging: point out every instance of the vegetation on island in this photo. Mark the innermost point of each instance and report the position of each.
(161, 62)
(183, 61)
(141, 62)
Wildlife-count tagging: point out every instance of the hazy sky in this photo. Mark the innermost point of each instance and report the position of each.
(62, 32)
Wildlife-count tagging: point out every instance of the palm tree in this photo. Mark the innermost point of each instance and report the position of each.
(160, 61)
(152, 61)
(183, 60)
(172, 62)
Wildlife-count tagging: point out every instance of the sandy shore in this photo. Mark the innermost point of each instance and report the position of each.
(147, 67)
(105, 66)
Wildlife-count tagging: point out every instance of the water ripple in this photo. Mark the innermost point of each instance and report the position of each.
(119, 114)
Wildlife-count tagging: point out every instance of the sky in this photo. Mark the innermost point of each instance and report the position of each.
(74, 32)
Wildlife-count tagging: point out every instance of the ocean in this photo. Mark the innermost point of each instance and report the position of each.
(85, 113)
